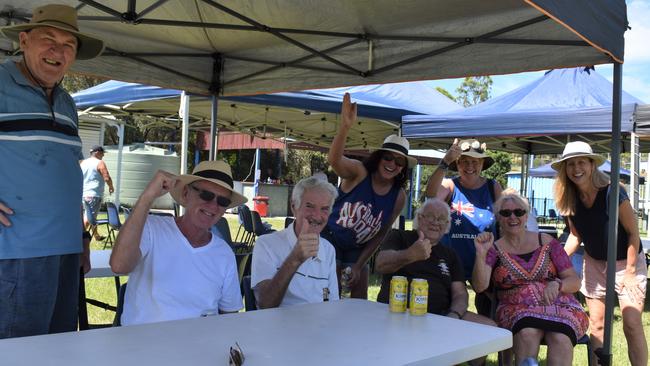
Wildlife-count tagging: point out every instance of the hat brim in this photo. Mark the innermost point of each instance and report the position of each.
(557, 165)
(487, 160)
(88, 47)
(185, 179)
(411, 161)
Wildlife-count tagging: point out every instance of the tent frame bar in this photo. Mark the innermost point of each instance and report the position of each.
(134, 18)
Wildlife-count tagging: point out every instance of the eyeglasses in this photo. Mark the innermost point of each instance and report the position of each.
(236, 356)
(208, 196)
(434, 218)
(401, 162)
(466, 146)
(517, 211)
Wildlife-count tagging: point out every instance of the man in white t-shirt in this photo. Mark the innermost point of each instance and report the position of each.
(177, 268)
(295, 265)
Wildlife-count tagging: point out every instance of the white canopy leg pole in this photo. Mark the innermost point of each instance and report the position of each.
(185, 115)
(634, 170)
(118, 176)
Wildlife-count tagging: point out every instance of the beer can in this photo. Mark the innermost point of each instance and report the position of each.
(398, 294)
(419, 296)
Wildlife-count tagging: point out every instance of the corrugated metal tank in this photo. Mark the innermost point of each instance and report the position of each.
(139, 163)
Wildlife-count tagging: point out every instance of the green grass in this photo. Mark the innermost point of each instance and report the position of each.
(103, 289)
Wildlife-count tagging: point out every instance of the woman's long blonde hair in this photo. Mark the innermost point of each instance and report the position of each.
(566, 192)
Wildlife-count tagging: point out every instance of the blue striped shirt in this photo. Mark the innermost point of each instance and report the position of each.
(40, 177)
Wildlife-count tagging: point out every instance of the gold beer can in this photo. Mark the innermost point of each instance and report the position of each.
(398, 294)
(419, 296)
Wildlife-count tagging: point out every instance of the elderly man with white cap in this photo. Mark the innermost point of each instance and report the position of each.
(177, 268)
(40, 216)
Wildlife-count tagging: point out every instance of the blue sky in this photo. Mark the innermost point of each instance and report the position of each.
(636, 69)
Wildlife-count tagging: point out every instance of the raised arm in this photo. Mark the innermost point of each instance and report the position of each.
(346, 168)
(126, 250)
(436, 187)
(482, 272)
(271, 292)
(390, 261)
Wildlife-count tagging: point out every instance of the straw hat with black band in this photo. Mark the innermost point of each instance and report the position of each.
(217, 172)
(399, 145)
(61, 17)
(576, 149)
(473, 148)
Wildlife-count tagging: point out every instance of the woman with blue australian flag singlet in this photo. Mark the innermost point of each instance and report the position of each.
(371, 196)
(470, 197)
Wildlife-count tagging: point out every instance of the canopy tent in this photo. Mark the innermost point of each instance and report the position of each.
(242, 47)
(539, 117)
(310, 116)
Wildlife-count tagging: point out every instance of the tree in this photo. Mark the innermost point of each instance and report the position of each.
(446, 93)
(500, 167)
(474, 90)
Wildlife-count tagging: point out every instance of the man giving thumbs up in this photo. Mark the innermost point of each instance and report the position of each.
(294, 265)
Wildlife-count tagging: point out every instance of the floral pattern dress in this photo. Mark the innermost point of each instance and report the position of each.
(520, 287)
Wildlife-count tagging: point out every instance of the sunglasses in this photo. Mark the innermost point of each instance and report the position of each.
(236, 356)
(517, 211)
(208, 196)
(401, 162)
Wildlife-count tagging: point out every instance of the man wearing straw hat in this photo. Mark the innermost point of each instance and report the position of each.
(40, 216)
(177, 268)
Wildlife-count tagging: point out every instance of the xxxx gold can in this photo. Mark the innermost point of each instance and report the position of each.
(419, 296)
(398, 294)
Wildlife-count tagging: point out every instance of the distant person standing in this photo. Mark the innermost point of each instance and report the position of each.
(96, 176)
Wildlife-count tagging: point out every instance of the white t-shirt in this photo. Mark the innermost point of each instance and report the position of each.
(174, 280)
(312, 276)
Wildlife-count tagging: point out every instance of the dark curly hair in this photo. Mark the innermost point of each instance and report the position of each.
(371, 163)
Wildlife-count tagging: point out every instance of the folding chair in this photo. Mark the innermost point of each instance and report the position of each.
(258, 226)
(114, 223)
(245, 218)
(242, 250)
(117, 321)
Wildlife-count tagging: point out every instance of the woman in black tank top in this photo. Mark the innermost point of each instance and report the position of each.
(581, 194)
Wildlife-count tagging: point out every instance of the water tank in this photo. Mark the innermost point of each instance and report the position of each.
(139, 163)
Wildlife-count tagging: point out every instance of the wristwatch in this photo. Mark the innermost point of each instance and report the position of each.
(443, 165)
(455, 312)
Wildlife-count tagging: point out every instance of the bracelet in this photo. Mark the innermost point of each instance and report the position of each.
(455, 312)
(443, 165)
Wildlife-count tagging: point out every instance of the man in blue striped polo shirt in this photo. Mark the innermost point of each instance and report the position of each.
(40, 177)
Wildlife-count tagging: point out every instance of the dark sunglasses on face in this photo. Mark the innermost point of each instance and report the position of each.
(517, 211)
(236, 356)
(398, 161)
(208, 196)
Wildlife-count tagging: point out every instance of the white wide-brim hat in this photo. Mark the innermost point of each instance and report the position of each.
(576, 149)
(217, 172)
(474, 149)
(61, 17)
(399, 145)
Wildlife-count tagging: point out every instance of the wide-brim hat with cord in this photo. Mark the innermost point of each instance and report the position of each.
(61, 17)
(576, 149)
(399, 145)
(215, 171)
(474, 149)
